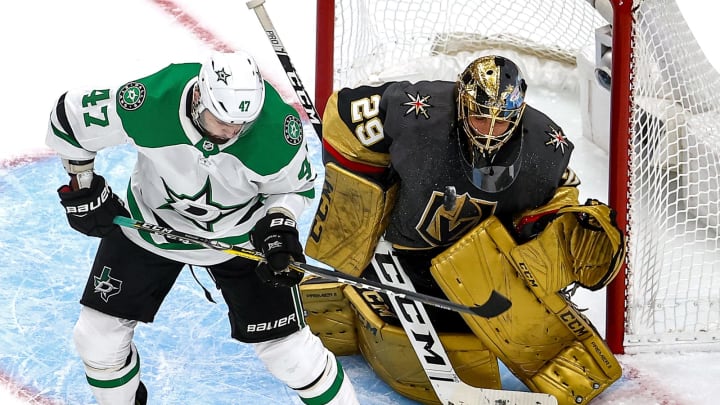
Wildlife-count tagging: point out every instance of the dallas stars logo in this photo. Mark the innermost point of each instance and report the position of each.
(131, 96)
(199, 208)
(222, 75)
(106, 285)
(292, 130)
(418, 104)
(557, 139)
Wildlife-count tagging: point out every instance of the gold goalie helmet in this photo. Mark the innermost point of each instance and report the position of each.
(490, 105)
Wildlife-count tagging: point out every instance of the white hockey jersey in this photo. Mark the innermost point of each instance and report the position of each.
(181, 179)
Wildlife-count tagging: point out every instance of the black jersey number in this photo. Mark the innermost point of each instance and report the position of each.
(98, 116)
(364, 112)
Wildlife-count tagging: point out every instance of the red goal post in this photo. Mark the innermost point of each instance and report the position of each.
(657, 119)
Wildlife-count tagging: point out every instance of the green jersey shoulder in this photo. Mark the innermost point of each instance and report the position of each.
(181, 178)
(153, 112)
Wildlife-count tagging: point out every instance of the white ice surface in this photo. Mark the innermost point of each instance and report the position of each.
(51, 46)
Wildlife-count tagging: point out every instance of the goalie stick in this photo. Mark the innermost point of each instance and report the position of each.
(495, 305)
(279, 48)
(449, 388)
(455, 389)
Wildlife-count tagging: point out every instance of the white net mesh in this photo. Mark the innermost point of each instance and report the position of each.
(379, 40)
(673, 293)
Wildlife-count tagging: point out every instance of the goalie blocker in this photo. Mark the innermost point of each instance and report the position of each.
(543, 339)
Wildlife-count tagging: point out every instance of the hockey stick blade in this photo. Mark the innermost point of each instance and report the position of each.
(494, 306)
(424, 339)
(468, 395)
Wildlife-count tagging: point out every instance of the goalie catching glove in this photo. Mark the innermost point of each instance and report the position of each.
(91, 209)
(276, 236)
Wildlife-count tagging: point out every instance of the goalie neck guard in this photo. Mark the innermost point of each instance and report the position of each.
(490, 106)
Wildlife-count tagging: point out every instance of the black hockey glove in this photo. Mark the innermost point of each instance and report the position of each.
(276, 236)
(91, 210)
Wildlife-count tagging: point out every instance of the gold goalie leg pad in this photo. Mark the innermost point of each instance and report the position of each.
(544, 341)
(389, 353)
(580, 371)
(330, 315)
(352, 214)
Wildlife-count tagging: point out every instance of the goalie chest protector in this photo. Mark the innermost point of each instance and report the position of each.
(420, 122)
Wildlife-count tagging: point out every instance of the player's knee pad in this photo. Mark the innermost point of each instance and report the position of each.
(103, 342)
(112, 365)
(332, 387)
(302, 362)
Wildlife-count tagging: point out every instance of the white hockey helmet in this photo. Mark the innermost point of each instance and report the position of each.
(231, 88)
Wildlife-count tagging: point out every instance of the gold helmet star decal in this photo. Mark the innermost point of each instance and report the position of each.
(418, 104)
(557, 139)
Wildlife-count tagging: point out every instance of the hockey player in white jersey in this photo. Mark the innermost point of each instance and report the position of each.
(220, 155)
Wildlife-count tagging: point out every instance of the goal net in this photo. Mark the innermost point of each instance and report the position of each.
(663, 137)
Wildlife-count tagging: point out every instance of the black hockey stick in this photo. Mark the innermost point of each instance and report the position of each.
(495, 305)
(424, 339)
(292, 74)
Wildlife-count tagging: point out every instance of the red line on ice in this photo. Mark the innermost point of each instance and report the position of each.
(25, 393)
(15, 161)
(646, 386)
(29, 394)
(205, 35)
(193, 25)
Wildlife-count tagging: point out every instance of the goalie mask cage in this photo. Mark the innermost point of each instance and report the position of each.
(664, 135)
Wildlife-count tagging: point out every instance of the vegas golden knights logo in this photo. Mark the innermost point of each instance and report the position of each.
(440, 226)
